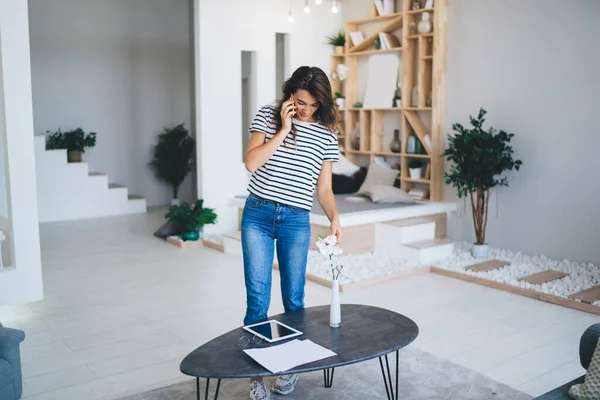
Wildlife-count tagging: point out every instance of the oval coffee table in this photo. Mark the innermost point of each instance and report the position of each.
(366, 333)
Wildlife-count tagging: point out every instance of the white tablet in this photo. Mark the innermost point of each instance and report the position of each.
(272, 331)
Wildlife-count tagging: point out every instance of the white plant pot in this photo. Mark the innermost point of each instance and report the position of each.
(175, 202)
(480, 251)
(415, 173)
(335, 312)
(340, 102)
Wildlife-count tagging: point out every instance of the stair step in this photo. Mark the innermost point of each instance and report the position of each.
(234, 235)
(115, 186)
(134, 197)
(429, 243)
(588, 296)
(543, 277)
(488, 265)
(96, 174)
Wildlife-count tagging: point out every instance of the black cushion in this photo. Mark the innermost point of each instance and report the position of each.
(344, 184)
(168, 230)
(587, 344)
(561, 393)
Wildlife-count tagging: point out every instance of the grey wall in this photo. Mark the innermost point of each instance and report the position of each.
(121, 68)
(534, 66)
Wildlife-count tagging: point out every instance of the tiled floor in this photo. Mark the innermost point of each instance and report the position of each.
(122, 309)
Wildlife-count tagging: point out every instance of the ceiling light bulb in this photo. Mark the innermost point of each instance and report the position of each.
(318, 2)
(291, 18)
(334, 8)
(306, 7)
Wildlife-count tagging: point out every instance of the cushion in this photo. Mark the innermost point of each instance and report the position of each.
(377, 175)
(389, 194)
(590, 388)
(167, 230)
(342, 184)
(344, 167)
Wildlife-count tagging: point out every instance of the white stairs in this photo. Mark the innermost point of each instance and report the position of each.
(69, 191)
(413, 240)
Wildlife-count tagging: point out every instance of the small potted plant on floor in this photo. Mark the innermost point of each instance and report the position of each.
(172, 157)
(192, 219)
(415, 169)
(74, 141)
(337, 41)
(478, 157)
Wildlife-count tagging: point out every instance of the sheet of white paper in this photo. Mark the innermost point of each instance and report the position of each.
(289, 355)
(383, 72)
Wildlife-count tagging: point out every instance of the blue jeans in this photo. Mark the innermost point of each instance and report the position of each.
(263, 222)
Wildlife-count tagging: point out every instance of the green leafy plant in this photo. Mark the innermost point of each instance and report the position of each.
(478, 157)
(338, 95)
(191, 218)
(339, 39)
(73, 140)
(415, 164)
(172, 156)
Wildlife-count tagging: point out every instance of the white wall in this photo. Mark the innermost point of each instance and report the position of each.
(23, 281)
(121, 68)
(534, 66)
(222, 32)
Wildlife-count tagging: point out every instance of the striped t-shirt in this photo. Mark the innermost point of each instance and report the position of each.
(290, 175)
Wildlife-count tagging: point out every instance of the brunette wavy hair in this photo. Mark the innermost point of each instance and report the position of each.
(315, 82)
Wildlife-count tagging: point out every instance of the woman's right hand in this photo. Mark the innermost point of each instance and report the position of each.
(288, 110)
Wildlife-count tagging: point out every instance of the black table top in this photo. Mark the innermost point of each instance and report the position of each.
(366, 332)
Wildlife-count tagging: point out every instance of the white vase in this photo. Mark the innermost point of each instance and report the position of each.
(335, 312)
(415, 173)
(340, 102)
(425, 24)
(175, 202)
(480, 251)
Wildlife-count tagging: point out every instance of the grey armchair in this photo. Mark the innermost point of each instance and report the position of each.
(11, 383)
(587, 345)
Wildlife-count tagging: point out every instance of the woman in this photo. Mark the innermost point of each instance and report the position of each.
(291, 150)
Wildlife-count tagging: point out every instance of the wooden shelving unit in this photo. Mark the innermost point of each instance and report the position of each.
(423, 65)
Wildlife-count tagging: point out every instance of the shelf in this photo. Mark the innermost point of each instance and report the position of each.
(339, 55)
(416, 180)
(368, 42)
(361, 53)
(357, 152)
(427, 58)
(420, 35)
(417, 109)
(379, 18)
(386, 153)
(422, 10)
(374, 109)
(407, 155)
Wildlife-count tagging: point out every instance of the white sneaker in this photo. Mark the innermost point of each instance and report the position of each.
(285, 384)
(259, 391)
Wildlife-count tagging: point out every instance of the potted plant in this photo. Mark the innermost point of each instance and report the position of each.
(415, 169)
(74, 141)
(191, 219)
(339, 99)
(172, 157)
(337, 41)
(478, 157)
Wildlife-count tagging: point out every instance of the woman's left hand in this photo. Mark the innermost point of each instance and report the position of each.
(336, 230)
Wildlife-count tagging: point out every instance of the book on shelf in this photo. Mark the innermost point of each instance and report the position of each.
(357, 37)
(384, 7)
(388, 41)
(428, 171)
(379, 7)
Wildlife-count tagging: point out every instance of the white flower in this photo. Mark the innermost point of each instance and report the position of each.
(330, 251)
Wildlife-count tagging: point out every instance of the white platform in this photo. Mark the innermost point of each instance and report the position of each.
(68, 191)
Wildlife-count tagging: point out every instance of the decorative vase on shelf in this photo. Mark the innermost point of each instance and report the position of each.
(415, 173)
(356, 137)
(335, 311)
(425, 23)
(339, 49)
(340, 102)
(395, 146)
(411, 144)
